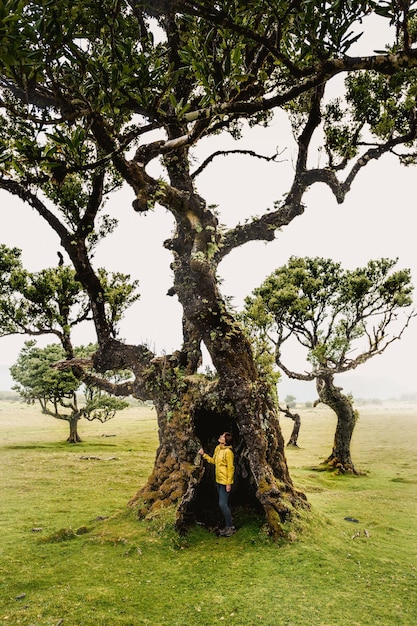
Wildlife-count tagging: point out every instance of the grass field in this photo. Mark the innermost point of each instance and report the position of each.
(73, 554)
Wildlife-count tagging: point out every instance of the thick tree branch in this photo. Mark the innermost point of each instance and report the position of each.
(259, 229)
(94, 203)
(118, 356)
(383, 64)
(341, 188)
(313, 122)
(375, 153)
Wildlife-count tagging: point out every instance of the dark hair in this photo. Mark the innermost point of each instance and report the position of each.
(228, 439)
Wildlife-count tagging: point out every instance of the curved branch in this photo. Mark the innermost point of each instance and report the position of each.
(94, 202)
(228, 152)
(24, 330)
(313, 121)
(261, 228)
(116, 356)
(29, 116)
(376, 153)
(295, 375)
(341, 188)
(26, 195)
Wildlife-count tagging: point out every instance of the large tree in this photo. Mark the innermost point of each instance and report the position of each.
(340, 318)
(94, 88)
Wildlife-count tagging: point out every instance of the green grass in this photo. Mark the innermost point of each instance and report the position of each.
(72, 553)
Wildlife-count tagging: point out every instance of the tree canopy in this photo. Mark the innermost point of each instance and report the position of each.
(340, 317)
(84, 85)
(96, 93)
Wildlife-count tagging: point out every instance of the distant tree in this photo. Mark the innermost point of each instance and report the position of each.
(58, 391)
(290, 401)
(340, 318)
(295, 417)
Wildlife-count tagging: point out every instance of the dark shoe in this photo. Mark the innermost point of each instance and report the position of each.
(227, 532)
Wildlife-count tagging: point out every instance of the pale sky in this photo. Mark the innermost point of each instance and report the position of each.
(378, 219)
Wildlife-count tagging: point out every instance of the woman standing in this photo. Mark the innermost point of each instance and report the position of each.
(223, 460)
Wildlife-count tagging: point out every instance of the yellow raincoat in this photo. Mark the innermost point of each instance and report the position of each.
(224, 461)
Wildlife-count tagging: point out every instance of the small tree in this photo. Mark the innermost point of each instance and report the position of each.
(58, 391)
(295, 417)
(340, 318)
(53, 302)
(290, 401)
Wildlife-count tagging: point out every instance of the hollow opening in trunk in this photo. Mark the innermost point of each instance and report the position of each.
(208, 426)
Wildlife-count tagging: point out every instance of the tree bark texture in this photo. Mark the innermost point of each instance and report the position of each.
(201, 411)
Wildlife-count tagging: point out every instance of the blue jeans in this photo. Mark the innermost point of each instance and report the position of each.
(224, 504)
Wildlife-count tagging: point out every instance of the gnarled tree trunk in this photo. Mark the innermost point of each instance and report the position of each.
(202, 411)
(73, 425)
(331, 395)
(193, 412)
(293, 440)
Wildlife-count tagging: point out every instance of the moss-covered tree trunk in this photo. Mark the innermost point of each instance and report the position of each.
(193, 414)
(200, 412)
(331, 395)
